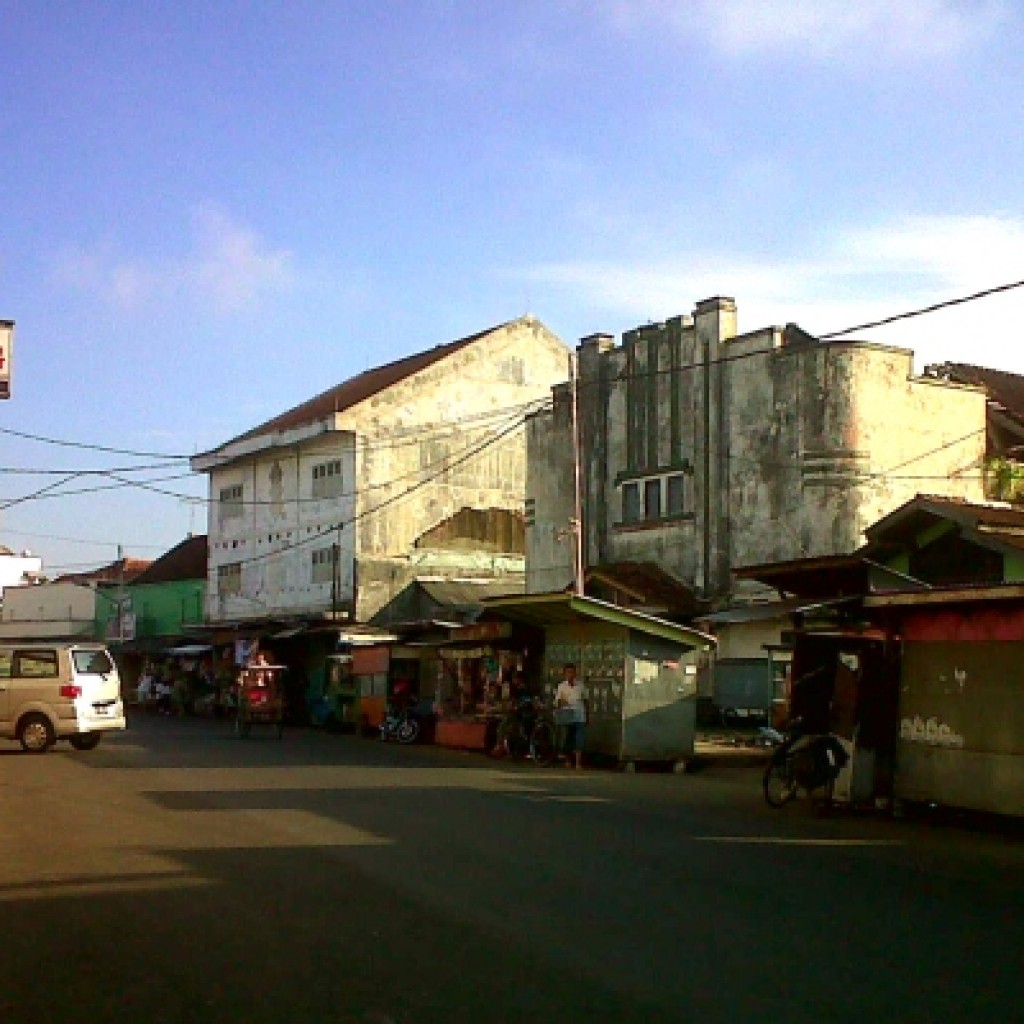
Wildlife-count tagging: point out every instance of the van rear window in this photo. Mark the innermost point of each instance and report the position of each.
(35, 664)
(96, 663)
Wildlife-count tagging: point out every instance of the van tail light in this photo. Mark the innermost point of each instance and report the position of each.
(71, 691)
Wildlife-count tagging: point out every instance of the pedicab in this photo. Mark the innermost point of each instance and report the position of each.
(260, 698)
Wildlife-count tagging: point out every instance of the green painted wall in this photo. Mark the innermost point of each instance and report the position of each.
(1013, 568)
(161, 609)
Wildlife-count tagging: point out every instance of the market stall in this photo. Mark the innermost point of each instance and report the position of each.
(476, 670)
(639, 672)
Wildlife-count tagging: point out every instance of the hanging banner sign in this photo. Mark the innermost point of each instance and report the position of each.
(6, 338)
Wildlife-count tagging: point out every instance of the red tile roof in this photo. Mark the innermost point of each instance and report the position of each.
(124, 570)
(357, 389)
(185, 561)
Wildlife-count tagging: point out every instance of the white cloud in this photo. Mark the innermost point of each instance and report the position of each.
(860, 274)
(900, 30)
(228, 268)
(231, 265)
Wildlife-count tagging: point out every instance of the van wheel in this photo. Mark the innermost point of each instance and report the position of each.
(36, 734)
(86, 740)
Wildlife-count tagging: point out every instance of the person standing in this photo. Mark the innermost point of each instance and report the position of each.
(569, 698)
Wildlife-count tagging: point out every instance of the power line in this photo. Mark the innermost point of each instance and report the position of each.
(329, 530)
(75, 540)
(90, 447)
(44, 492)
(24, 471)
(926, 309)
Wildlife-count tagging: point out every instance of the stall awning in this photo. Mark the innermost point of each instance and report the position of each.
(188, 650)
(541, 610)
(772, 610)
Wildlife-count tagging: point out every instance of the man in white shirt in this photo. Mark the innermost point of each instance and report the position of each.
(569, 697)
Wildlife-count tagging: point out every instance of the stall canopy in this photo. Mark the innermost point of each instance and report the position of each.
(188, 650)
(542, 610)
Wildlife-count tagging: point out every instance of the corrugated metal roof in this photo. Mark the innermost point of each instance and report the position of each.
(559, 609)
(771, 610)
(988, 522)
(948, 595)
(458, 593)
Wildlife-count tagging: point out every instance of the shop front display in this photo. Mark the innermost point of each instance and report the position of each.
(478, 672)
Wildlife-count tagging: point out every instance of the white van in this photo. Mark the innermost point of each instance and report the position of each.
(58, 691)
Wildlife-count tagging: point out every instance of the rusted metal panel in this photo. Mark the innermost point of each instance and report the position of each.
(962, 722)
(368, 661)
(980, 625)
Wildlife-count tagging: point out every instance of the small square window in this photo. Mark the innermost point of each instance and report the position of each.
(327, 482)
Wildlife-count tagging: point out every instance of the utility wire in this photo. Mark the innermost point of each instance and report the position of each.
(926, 309)
(335, 527)
(23, 471)
(91, 447)
(42, 492)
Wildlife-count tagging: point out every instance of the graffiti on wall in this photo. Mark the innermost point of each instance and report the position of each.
(930, 731)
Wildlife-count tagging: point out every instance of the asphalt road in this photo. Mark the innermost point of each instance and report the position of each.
(177, 874)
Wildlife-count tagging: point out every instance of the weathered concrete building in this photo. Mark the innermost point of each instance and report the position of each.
(704, 449)
(416, 468)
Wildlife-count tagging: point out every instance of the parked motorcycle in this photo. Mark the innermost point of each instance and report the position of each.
(801, 760)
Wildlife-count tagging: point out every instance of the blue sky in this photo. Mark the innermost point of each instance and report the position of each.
(210, 212)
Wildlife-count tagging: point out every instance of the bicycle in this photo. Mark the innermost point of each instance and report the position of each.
(802, 761)
(533, 735)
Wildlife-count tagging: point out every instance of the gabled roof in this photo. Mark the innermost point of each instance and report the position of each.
(990, 524)
(647, 584)
(185, 561)
(361, 387)
(821, 577)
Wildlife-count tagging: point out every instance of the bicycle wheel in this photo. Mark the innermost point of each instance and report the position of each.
(408, 730)
(511, 741)
(779, 783)
(544, 743)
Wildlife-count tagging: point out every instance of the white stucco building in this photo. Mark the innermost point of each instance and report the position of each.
(410, 469)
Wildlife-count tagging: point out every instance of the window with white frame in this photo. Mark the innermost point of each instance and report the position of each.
(657, 498)
(327, 480)
(322, 565)
(230, 504)
(229, 579)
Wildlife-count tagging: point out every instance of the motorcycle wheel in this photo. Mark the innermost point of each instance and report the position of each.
(408, 730)
(778, 783)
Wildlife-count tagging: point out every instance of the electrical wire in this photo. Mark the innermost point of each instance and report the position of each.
(91, 447)
(22, 471)
(337, 527)
(925, 309)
